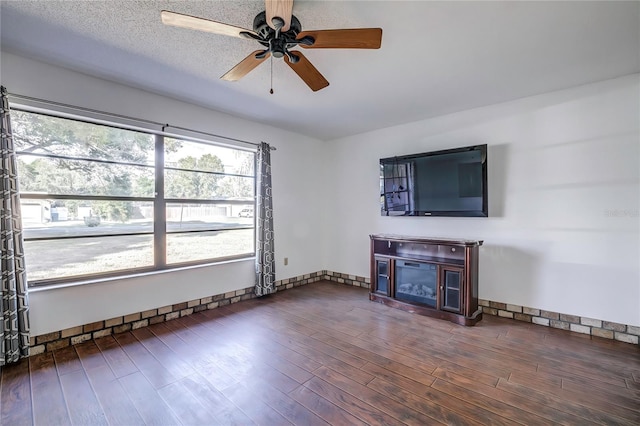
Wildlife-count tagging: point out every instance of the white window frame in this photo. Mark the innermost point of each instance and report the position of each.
(159, 201)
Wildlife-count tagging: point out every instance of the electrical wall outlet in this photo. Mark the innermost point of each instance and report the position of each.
(286, 261)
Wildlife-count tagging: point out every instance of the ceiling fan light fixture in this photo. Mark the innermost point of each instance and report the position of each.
(294, 59)
(277, 22)
(306, 40)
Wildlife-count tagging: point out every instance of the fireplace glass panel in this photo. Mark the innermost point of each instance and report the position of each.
(416, 282)
(383, 276)
(451, 290)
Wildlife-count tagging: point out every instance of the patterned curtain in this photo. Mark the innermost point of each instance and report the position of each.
(14, 334)
(265, 262)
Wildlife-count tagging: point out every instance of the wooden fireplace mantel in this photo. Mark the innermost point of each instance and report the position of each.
(437, 277)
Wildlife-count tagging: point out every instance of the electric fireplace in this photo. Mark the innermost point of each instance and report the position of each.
(437, 277)
(416, 282)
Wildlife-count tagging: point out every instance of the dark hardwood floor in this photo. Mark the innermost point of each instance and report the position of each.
(323, 354)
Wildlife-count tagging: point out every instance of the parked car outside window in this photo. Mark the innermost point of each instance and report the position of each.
(246, 213)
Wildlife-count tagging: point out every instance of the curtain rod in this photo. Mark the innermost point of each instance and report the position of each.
(163, 126)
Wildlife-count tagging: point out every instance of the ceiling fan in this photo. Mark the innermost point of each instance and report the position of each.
(278, 31)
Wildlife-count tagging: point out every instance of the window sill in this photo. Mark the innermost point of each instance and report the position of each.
(103, 280)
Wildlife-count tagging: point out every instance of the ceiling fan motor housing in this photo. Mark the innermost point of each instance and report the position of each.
(261, 27)
(276, 42)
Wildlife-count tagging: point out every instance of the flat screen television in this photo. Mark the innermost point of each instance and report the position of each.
(451, 182)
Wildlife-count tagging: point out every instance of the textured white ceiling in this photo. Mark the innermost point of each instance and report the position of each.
(436, 57)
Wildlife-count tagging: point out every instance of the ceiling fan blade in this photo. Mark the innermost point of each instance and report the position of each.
(281, 9)
(307, 72)
(245, 66)
(201, 24)
(358, 38)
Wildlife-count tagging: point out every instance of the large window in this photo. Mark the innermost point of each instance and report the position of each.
(98, 200)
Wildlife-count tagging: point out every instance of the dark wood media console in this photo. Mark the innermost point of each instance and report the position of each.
(437, 277)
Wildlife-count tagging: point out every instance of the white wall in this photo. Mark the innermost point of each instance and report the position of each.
(558, 164)
(297, 184)
(564, 195)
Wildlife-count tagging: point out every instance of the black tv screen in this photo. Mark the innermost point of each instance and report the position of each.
(450, 182)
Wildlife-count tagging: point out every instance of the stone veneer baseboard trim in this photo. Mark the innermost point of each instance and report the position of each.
(353, 280)
(577, 324)
(82, 333)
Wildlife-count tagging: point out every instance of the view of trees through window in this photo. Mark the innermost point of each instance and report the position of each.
(98, 199)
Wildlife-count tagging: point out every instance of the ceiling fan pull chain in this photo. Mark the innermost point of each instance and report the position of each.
(271, 90)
